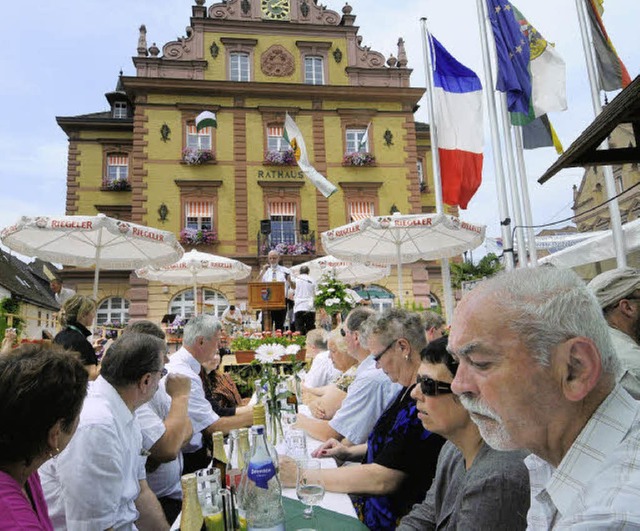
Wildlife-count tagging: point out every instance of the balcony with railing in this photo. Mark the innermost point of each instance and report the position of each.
(293, 243)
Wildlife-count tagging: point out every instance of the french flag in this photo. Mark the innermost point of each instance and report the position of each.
(458, 116)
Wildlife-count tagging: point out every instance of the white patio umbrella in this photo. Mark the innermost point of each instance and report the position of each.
(402, 239)
(345, 270)
(86, 241)
(599, 247)
(196, 268)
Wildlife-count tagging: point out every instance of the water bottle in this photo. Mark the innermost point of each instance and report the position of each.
(262, 496)
(236, 460)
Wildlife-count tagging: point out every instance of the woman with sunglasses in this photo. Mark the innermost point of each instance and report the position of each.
(398, 461)
(475, 486)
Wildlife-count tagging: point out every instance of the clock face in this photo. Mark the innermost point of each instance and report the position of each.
(275, 9)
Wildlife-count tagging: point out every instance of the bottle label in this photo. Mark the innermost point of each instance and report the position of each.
(261, 473)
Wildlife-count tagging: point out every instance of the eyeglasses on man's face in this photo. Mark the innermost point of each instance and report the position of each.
(431, 387)
(376, 357)
(163, 372)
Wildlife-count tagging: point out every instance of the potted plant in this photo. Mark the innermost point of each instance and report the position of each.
(332, 297)
(198, 237)
(245, 346)
(358, 158)
(117, 185)
(193, 156)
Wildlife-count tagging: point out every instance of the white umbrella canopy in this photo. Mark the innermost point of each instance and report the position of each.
(345, 270)
(402, 239)
(599, 247)
(86, 241)
(196, 268)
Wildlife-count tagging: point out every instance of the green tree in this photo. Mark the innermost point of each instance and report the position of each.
(466, 271)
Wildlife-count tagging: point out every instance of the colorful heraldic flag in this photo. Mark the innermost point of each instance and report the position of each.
(612, 73)
(458, 118)
(293, 135)
(548, 75)
(206, 119)
(513, 56)
(540, 133)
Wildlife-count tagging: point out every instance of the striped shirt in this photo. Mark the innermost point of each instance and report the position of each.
(597, 485)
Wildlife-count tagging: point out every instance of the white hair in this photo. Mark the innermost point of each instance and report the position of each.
(546, 306)
(203, 325)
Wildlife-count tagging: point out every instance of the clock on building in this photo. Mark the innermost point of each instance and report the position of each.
(275, 9)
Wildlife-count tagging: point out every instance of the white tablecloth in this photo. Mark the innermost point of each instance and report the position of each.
(334, 501)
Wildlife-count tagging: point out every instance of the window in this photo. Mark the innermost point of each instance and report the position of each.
(214, 302)
(182, 304)
(360, 209)
(283, 222)
(357, 141)
(381, 298)
(200, 140)
(239, 67)
(313, 70)
(275, 140)
(114, 310)
(120, 109)
(117, 167)
(199, 215)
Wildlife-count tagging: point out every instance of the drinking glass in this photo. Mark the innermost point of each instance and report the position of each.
(296, 440)
(309, 485)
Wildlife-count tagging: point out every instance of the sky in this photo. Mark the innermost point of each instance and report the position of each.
(61, 58)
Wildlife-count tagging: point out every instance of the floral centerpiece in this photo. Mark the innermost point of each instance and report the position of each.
(331, 296)
(271, 379)
(117, 185)
(193, 156)
(198, 237)
(359, 158)
(280, 158)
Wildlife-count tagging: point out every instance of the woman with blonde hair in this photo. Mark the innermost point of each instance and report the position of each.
(77, 315)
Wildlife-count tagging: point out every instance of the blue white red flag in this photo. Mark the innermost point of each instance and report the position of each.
(458, 118)
(512, 49)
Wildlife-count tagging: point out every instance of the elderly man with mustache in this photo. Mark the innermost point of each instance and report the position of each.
(537, 371)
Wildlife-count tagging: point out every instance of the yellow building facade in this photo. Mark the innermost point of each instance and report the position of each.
(233, 189)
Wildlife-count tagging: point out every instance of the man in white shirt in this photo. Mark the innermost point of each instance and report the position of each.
(200, 345)
(274, 272)
(368, 396)
(98, 481)
(166, 428)
(322, 371)
(60, 293)
(303, 308)
(537, 371)
(618, 292)
(231, 318)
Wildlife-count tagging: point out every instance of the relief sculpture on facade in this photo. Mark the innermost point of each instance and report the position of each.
(277, 62)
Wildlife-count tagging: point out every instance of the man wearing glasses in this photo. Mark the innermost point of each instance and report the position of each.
(476, 487)
(543, 377)
(368, 396)
(618, 292)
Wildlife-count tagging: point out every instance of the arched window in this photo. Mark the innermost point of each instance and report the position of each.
(114, 310)
(182, 304)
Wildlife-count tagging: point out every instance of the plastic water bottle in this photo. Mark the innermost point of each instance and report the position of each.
(262, 495)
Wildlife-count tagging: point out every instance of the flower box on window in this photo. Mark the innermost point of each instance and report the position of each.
(198, 237)
(359, 158)
(304, 247)
(193, 156)
(280, 158)
(116, 185)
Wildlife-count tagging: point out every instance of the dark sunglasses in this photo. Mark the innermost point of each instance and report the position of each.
(431, 387)
(163, 372)
(342, 332)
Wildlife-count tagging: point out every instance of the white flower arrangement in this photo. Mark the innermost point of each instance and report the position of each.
(270, 352)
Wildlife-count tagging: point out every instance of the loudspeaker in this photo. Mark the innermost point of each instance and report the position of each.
(304, 226)
(265, 226)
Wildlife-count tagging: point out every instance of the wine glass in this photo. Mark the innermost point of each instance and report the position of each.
(309, 484)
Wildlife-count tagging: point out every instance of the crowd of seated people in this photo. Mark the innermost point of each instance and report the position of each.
(520, 418)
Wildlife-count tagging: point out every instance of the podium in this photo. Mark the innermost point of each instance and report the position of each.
(267, 296)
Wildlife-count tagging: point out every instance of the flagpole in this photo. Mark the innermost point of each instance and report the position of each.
(503, 208)
(524, 185)
(614, 208)
(514, 187)
(435, 159)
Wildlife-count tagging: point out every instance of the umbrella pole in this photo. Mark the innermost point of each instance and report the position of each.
(96, 275)
(195, 295)
(400, 288)
(448, 291)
